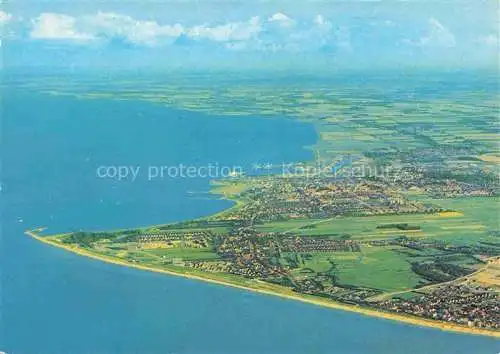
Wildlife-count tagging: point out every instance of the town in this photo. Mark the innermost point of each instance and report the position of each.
(362, 242)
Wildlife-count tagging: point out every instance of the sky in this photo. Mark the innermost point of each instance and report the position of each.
(322, 34)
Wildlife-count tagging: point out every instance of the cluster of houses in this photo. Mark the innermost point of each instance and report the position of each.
(197, 239)
(317, 244)
(248, 257)
(442, 181)
(173, 236)
(454, 189)
(211, 266)
(353, 295)
(443, 171)
(281, 199)
(464, 304)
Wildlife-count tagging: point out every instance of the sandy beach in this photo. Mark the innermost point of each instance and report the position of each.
(275, 290)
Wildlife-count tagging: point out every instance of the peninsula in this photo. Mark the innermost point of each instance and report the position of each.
(396, 216)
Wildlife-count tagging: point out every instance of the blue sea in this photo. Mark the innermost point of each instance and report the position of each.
(57, 302)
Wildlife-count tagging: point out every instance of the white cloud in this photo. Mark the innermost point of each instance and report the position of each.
(57, 26)
(314, 35)
(103, 25)
(233, 31)
(437, 36)
(276, 33)
(4, 18)
(281, 19)
(319, 20)
(109, 25)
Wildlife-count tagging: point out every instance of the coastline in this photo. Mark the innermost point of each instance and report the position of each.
(276, 290)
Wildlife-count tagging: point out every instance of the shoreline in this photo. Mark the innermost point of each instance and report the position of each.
(275, 290)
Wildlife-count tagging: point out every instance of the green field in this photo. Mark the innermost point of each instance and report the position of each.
(377, 267)
(186, 254)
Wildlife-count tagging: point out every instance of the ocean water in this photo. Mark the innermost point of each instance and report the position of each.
(57, 302)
